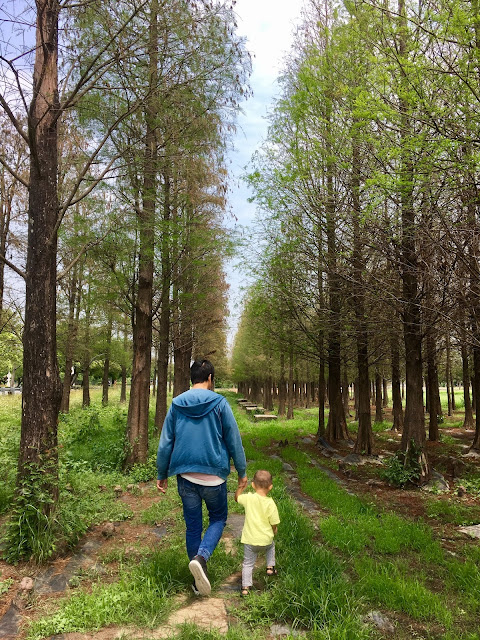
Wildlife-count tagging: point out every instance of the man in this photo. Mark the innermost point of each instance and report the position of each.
(199, 437)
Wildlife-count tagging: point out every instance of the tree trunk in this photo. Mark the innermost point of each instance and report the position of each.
(164, 321)
(414, 419)
(267, 394)
(476, 384)
(396, 392)
(138, 408)
(345, 392)
(73, 304)
(385, 392)
(106, 362)
(282, 388)
(447, 377)
(468, 419)
(378, 397)
(290, 396)
(432, 386)
(364, 442)
(42, 390)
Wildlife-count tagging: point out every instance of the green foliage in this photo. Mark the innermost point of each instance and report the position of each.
(95, 436)
(403, 467)
(5, 585)
(472, 485)
(388, 584)
(144, 472)
(32, 531)
(448, 510)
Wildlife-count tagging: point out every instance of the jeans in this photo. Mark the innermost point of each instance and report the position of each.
(250, 553)
(215, 499)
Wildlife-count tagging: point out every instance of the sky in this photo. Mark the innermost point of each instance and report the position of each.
(268, 26)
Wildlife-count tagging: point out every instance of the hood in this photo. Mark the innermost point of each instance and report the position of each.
(196, 403)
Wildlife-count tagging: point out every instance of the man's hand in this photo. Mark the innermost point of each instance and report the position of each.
(162, 485)
(242, 483)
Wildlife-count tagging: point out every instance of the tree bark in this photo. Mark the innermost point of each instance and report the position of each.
(432, 385)
(282, 387)
(396, 391)
(414, 419)
(164, 321)
(290, 395)
(138, 408)
(447, 377)
(385, 392)
(72, 325)
(106, 362)
(468, 419)
(42, 390)
(378, 397)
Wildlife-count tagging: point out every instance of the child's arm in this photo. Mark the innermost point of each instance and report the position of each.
(274, 529)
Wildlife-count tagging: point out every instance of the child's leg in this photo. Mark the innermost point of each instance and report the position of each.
(249, 557)
(270, 555)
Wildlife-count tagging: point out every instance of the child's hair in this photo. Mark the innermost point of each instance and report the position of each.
(262, 479)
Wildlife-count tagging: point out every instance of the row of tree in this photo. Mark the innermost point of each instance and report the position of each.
(113, 180)
(367, 186)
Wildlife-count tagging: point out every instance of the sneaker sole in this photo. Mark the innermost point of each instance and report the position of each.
(202, 582)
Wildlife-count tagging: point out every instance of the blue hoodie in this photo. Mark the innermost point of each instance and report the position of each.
(200, 435)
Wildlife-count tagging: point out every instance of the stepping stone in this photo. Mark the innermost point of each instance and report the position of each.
(160, 532)
(437, 483)
(264, 417)
(380, 621)
(206, 613)
(235, 524)
(472, 531)
(282, 630)
(9, 623)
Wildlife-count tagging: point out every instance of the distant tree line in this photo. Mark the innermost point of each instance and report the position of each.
(115, 119)
(368, 224)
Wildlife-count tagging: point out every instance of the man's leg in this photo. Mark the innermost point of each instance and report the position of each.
(192, 514)
(216, 501)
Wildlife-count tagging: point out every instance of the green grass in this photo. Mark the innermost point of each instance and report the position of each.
(331, 571)
(390, 585)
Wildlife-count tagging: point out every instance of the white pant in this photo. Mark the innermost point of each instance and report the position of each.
(250, 552)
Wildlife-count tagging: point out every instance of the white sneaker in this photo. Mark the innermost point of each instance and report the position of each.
(198, 569)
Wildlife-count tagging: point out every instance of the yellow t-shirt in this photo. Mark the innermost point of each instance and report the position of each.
(260, 514)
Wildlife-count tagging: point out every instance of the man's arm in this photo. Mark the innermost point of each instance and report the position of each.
(164, 452)
(233, 441)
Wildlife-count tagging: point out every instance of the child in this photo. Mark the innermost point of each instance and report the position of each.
(261, 519)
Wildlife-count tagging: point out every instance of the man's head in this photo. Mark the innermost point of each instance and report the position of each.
(201, 370)
(262, 479)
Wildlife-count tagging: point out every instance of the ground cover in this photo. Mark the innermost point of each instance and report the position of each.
(355, 548)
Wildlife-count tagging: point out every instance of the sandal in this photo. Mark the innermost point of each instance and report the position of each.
(245, 592)
(271, 571)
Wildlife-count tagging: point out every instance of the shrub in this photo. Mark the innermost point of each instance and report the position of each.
(403, 467)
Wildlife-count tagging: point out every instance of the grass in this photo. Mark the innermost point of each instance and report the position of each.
(332, 570)
(385, 552)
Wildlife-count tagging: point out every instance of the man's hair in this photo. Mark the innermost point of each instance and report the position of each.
(200, 370)
(262, 479)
